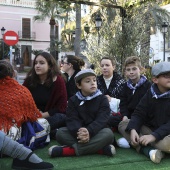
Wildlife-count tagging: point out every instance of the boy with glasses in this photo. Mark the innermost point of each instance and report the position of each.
(149, 127)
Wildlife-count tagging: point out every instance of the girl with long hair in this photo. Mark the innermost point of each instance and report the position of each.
(47, 87)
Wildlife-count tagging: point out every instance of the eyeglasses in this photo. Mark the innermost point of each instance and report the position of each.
(62, 62)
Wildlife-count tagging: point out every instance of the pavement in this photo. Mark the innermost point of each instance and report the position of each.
(21, 77)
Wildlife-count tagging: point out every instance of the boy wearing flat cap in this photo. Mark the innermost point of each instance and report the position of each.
(148, 130)
(86, 129)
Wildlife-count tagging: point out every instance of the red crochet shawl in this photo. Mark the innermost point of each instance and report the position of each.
(16, 104)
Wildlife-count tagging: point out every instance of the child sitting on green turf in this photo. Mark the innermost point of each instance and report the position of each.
(87, 116)
(133, 90)
(149, 127)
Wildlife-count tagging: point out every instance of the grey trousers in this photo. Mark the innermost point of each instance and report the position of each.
(163, 145)
(102, 138)
(12, 148)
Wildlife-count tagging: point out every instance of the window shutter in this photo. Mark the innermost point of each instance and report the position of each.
(26, 28)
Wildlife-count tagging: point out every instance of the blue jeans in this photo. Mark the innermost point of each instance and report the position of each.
(2, 136)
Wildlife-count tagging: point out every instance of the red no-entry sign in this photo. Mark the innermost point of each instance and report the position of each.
(10, 38)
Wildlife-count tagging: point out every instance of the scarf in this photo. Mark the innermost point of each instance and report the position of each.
(85, 98)
(157, 94)
(16, 104)
(138, 84)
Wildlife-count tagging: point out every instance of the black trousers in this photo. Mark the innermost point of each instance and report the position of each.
(56, 121)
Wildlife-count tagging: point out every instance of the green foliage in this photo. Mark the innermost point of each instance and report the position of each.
(148, 74)
(52, 9)
(67, 40)
(35, 52)
(6, 49)
(124, 37)
(166, 2)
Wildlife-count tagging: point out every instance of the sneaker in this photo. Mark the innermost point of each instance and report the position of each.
(109, 150)
(27, 165)
(156, 155)
(123, 143)
(55, 151)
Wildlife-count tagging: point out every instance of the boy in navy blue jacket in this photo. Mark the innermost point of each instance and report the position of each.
(133, 90)
(87, 116)
(149, 127)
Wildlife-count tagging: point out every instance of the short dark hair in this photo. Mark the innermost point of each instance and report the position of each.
(109, 58)
(77, 62)
(6, 69)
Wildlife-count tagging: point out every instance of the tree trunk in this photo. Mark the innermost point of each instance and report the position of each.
(145, 44)
(78, 30)
(52, 38)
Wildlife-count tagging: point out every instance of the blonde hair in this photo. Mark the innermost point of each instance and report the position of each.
(133, 60)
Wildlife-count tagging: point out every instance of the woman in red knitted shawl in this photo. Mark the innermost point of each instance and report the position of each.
(47, 87)
(16, 103)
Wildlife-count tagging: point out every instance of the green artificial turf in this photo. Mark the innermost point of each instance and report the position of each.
(125, 159)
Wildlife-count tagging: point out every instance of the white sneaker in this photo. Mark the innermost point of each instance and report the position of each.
(156, 155)
(123, 143)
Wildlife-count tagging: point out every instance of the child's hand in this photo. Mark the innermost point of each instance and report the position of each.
(45, 114)
(125, 118)
(134, 138)
(146, 139)
(83, 135)
(108, 97)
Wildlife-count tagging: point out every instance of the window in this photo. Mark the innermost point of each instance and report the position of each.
(26, 28)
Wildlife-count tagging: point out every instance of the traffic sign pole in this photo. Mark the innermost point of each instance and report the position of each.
(11, 56)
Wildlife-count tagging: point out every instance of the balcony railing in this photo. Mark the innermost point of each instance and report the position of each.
(26, 36)
(21, 3)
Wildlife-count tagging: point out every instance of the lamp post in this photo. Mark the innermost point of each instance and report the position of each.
(164, 31)
(87, 28)
(98, 22)
(2, 32)
(74, 36)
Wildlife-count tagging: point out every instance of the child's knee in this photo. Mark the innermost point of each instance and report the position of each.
(59, 134)
(122, 125)
(108, 134)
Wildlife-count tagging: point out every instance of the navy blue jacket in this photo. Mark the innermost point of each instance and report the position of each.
(153, 113)
(129, 101)
(93, 115)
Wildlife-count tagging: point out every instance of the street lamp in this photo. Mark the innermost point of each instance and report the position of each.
(164, 31)
(2, 32)
(74, 34)
(73, 40)
(98, 22)
(87, 28)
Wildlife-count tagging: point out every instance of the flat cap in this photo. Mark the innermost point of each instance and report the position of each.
(84, 73)
(160, 68)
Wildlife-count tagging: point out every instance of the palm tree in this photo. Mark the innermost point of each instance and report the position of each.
(53, 10)
(78, 30)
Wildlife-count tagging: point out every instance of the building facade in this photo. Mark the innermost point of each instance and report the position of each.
(18, 16)
(157, 45)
